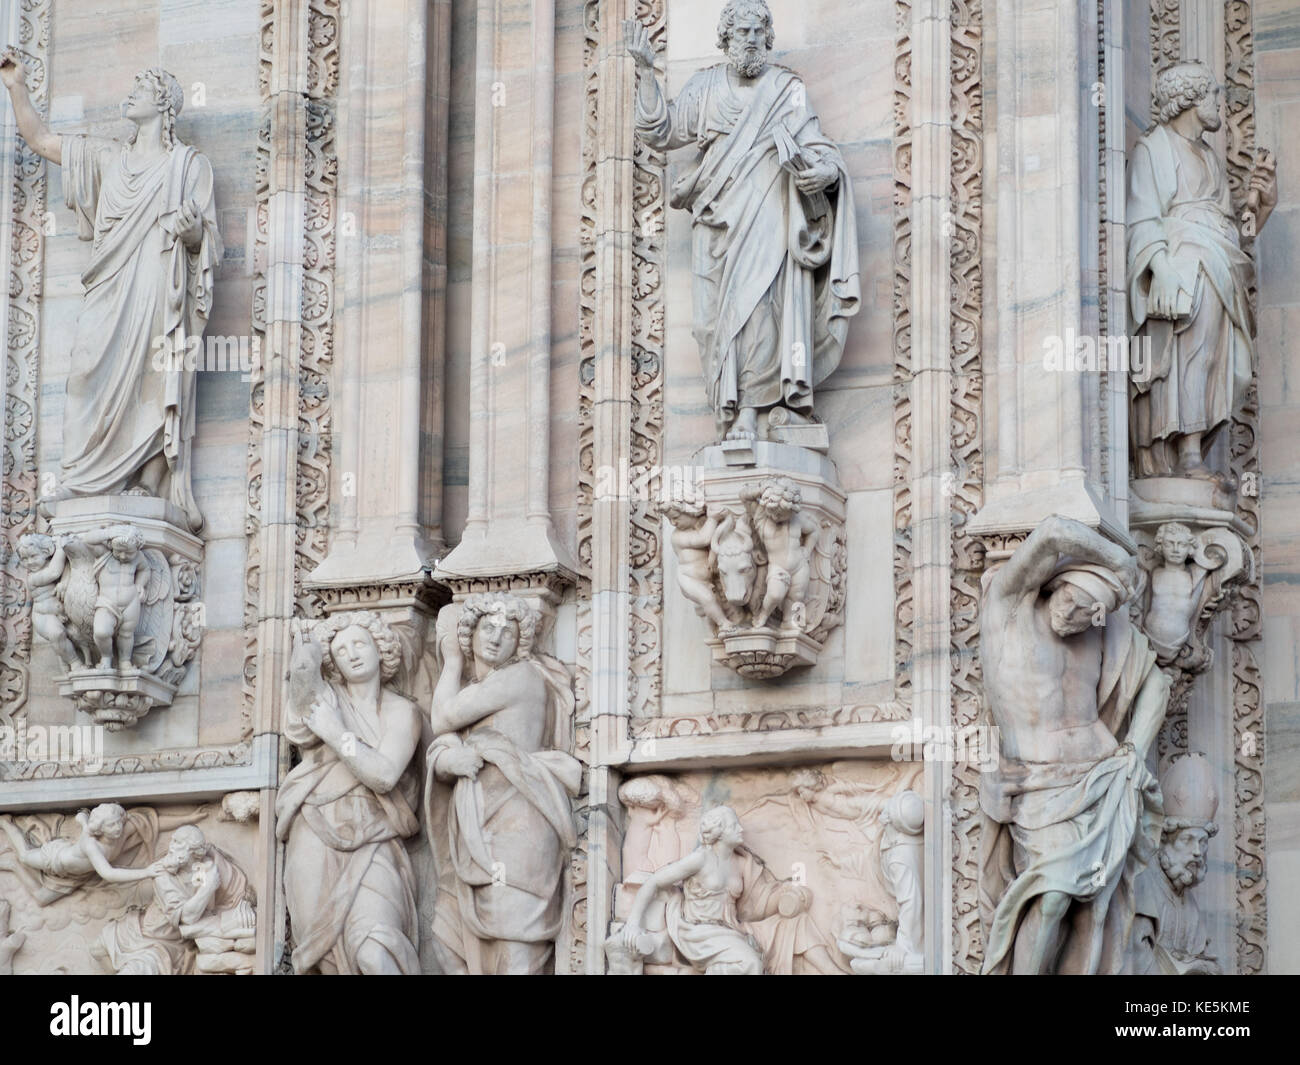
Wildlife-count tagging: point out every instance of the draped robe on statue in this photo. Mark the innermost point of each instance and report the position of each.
(347, 875)
(145, 293)
(774, 287)
(1085, 829)
(503, 838)
(1180, 202)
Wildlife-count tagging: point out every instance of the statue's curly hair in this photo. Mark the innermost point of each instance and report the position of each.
(734, 10)
(386, 641)
(715, 822)
(1182, 86)
(168, 97)
(36, 545)
(511, 607)
(1169, 530)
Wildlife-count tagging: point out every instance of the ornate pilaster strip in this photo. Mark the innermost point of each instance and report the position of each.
(967, 190)
(1165, 19)
(293, 311)
(1247, 686)
(904, 611)
(22, 227)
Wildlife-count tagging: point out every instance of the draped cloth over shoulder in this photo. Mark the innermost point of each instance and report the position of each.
(347, 875)
(146, 294)
(776, 272)
(502, 839)
(1179, 203)
(1083, 829)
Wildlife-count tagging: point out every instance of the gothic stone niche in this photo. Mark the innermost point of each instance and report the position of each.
(810, 848)
(115, 591)
(761, 554)
(99, 891)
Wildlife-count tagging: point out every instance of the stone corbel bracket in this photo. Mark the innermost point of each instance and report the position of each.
(171, 617)
(773, 587)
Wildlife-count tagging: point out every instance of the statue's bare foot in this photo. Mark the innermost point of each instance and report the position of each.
(105, 663)
(1197, 470)
(745, 427)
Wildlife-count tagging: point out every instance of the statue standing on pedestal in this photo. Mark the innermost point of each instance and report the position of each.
(1071, 813)
(148, 206)
(774, 245)
(1189, 279)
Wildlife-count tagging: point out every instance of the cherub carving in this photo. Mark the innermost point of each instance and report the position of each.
(788, 538)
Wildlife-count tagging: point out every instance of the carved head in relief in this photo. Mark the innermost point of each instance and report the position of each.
(1081, 595)
(733, 554)
(1185, 86)
(106, 821)
(359, 644)
(35, 550)
(1175, 543)
(721, 825)
(496, 629)
(1190, 806)
(155, 92)
(745, 35)
(187, 844)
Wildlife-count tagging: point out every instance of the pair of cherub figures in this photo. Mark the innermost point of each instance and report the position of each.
(104, 602)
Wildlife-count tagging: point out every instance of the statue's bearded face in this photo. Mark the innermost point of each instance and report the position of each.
(747, 46)
(1182, 857)
(355, 654)
(1072, 610)
(1208, 109)
(496, 638)
(178, 855)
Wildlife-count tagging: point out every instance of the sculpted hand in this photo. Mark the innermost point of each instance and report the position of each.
(324, 720)
(12, 71)
(1263, 179)
(1162, 301)
(637, 39)
(461, 762)
(189, 223)
(821, 175)
(632, 932)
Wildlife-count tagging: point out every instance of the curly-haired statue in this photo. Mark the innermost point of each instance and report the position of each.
(1189, 279)
(344, 810)
(497, 796)
(148, 206)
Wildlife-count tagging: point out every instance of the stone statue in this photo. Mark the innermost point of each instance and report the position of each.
(901, 859)
(147, 204)
(789, 537)
(44, 559)
(1071, 813)
(725, 891)
(201, 918)
(500, 778)
(345, 808)
(694, 528)
(774, 246)
(1189, 279)
(656, 806)
(1169, 933)
(1185, 583)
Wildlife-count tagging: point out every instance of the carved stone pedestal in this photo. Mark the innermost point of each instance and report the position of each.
(761, 553)
(124, 574)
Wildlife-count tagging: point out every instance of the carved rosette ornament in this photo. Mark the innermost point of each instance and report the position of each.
(761, 555)
(115, 592)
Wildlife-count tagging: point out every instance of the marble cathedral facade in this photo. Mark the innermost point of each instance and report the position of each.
(650, 486)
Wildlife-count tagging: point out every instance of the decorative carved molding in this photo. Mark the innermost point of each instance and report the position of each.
(967, 450)
(1247, 685)
(1164, 34)
(771, 719)
(22, 371)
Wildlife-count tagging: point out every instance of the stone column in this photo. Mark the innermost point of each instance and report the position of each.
(508, 530)
(386, 354)
(1048, 454)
